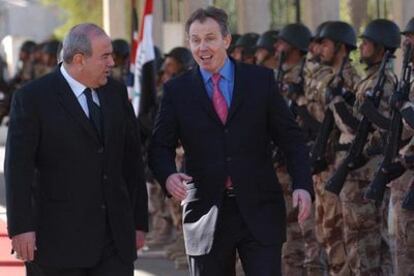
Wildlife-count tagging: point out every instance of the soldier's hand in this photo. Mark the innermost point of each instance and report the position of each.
(175, 185)
(302, 199)
(139, 239)
(24, 245)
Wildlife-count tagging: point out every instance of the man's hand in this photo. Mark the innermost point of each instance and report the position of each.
(139, 239)
(175, 185)
(24, 245)
(302, 199)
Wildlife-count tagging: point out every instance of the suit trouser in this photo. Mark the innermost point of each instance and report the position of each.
(232, 234)
(109, 264)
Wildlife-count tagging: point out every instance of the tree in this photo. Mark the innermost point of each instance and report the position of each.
(75, 12)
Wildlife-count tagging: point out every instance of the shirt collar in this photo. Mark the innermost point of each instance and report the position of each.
(76, 86)
(226, 71)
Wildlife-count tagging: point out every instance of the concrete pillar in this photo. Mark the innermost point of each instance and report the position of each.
(253, 16)
(314, 12)
(114, 18)
(157, 24)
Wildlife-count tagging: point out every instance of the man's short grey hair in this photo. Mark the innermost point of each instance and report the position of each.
(78, 40)
(218, 15)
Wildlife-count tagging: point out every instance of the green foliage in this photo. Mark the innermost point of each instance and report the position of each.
(75, 12)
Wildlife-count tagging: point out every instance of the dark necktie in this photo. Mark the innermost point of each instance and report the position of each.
(95, 116)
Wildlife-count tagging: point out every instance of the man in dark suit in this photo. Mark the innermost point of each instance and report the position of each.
(76, 195)
(225, 114)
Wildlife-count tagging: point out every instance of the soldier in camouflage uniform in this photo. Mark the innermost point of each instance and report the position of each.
(301, 253)
(245, 47)
(402, 219)
(120, 52)
(25, 71)
(337, 39)
(265, 52)
(362, 219)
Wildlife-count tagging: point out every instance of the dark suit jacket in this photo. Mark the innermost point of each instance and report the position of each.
(62, 182)
(240, 149)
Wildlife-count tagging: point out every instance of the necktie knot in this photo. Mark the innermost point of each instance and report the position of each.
(215, 78)
(88, 93)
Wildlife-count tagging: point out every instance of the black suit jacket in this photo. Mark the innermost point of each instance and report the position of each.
(64, 183)
(240, 149)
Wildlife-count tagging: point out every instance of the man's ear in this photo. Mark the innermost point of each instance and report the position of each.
(227, 40)
(78, 59)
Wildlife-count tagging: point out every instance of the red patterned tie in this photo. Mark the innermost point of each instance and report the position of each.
(219, 102)
(220, 106)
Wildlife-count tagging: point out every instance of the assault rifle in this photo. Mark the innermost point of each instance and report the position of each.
(317, 154)
(385, 173)
(355, 158)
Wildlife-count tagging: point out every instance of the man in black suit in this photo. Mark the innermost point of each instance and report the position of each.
(225, 114)
(76, 195)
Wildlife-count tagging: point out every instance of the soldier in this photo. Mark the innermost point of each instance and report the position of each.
(25, 71)
(301, 252)
(168, 212)
(120, 54)
(361, 218)
(403, 220)
(230, 50)
(245, 48)
(265, 52)
(49, 57)
(337, 40)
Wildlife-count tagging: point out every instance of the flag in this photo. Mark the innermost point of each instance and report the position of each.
(143, 91)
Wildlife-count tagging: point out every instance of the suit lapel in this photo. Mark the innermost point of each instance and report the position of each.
(202, 96)
(238, 91)
(69, 102)
(103, 94)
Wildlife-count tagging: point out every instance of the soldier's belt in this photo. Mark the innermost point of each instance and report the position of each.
(342, 147)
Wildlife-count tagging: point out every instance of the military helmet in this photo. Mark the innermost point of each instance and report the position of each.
(297, 35)
(409, 28)
(51, 47)
(234, 38)
(267, 40)
(120, 47)
(247, 42)
(183, 56)
(28, 46)
(316, 35)
(341, 32)
(383, 32)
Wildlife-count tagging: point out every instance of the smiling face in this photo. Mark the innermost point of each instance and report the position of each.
(208, 45)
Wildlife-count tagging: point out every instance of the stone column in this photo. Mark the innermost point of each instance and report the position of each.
(401, 13)
(253, 16)
(314, 12)
(114, 18)
(157, 24)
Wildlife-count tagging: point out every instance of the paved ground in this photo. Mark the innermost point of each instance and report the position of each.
(150, 262)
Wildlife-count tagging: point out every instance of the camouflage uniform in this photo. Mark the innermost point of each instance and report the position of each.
(361, 218)
(402, 221)
(301, 253)
(329, 225)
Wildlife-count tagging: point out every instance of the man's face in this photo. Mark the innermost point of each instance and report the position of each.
(327, 51)
(282, 46)
(97, 67)
(261, 55)
(367, 50)
(315, 49)
(237, 53)
(171, 67)
(208, 45)
(409, 38)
